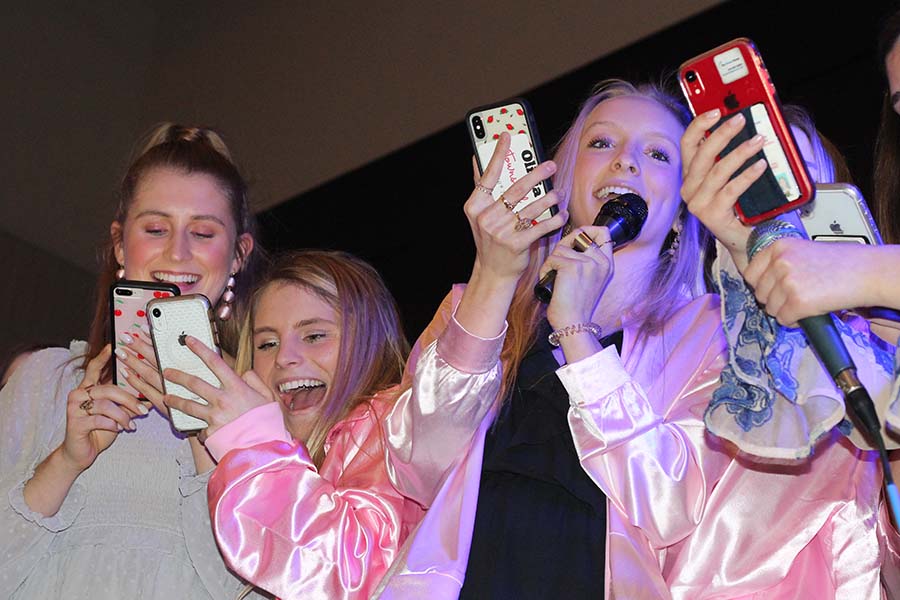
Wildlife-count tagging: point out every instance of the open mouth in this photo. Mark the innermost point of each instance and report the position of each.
(297, 394)
(608, 192)
(182, 280)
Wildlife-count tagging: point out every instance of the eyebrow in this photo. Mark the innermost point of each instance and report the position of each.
(652, 133)
(297, 325)
(159, 213)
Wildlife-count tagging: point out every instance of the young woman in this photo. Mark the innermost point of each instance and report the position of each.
(100, 498)
(571, 471)
(301, 501)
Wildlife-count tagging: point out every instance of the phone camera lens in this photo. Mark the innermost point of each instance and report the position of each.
(478, 127)
(691, 76)
(157, 313)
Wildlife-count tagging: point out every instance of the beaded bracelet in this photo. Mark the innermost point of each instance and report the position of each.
(553, 338)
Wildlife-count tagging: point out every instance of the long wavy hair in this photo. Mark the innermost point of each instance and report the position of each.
(676, 278)
(887, 145)
(831, 162)
(373, 347)
(189, 150)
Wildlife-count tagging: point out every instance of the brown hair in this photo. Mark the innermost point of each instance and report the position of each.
(887, 146)
(373, 347)
(674, 279)
(832, 165)
(190, 150)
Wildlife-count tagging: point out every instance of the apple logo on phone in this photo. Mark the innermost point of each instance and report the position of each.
(182, 339)
(836, 228)
(731, 102)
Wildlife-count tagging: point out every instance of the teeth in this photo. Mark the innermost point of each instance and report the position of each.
(606, 191)
(172, 278)
(290, 386)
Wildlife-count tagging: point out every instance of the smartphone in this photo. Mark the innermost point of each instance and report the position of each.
(734, 79)
(486, 123)
(171, 319)
(127, 312)
(839, 213)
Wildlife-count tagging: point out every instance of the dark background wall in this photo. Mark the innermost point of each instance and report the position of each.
(404, 213)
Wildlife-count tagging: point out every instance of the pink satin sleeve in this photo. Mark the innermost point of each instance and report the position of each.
(302, 533)
(455, 383)
(890, 547)
(262, 424)
(647, 450)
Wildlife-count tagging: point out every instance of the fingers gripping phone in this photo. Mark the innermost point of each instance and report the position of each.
(128, 312)
(733, 78)
(486, 123)
(839, 214)
(171, 319)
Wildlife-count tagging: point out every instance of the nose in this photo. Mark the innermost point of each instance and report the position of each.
(287, 354)
(180, 246)
(626, 160)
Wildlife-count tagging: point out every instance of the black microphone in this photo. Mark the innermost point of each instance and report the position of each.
(825, 340)
(624, 216)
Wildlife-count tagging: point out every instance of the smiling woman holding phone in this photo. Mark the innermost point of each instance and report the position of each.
(99, 497)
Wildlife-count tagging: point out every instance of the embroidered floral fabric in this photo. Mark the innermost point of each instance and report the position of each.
(775, 399)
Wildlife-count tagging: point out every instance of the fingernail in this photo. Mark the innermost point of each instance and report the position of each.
(145, 329)
(757, 139)
(534, 222)
(127, 339)
(121, 353)
(143, 409)
(737, 120)
(713, 114)
(131, 425)
(760, 164)
(125, 372)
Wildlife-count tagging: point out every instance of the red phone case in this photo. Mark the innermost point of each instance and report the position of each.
(733, 78)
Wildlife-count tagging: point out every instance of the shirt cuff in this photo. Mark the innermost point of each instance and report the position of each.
(64, 517)
(262, 424)
(467, 352)
(593, 377)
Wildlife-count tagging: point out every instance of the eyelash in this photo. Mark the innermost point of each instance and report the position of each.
(160, 232)
(267, 345)
(657, 154)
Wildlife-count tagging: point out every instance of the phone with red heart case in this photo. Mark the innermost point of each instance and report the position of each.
(515, 117)
(128, 312)
(171, 319)
(733, 78)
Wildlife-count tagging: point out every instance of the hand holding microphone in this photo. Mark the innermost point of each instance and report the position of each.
(623, 216)
(826, 342)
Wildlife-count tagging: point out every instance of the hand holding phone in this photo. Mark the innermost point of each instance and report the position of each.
(128, 313)
(486, 123)
(733, 79)
(171, 321)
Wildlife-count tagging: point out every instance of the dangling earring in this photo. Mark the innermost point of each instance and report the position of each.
(224, 310)
(120, 273)
(673, 240)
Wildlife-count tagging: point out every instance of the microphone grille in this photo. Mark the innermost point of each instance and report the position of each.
(630, 207)
(767, 233)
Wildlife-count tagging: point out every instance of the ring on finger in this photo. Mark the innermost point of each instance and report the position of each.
(88, 404)
(485, 189)
(511, 206)
(523, 224)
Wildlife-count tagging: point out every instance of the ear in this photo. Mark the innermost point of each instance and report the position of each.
(243, 248)
(115, 232)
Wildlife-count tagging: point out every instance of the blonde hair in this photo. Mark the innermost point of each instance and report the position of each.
(373, 348)
(676, 277)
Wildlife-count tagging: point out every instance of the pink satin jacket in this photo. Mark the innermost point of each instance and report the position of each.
(302, 532)
(687, 518)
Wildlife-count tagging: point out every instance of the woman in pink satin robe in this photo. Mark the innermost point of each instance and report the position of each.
(301, 502)
(488, 444)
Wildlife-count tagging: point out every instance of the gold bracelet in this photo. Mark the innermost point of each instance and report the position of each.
(553, 338)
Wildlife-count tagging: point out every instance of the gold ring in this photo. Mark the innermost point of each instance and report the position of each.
(506, 202)
(88, 404)
(523, 224)
(486, 190)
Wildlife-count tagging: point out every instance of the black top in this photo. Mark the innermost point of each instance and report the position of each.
(540, 527)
